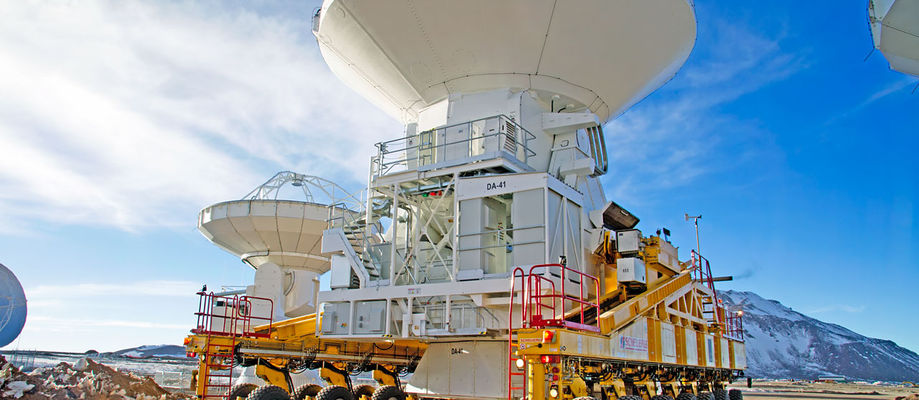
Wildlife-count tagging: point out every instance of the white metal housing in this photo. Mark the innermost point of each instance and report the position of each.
(597, 55)
(895, 29)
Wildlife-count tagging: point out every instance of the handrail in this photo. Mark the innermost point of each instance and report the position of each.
(732, 324)
(734, 327)
(517, 137)
(510, 329)
(531, 299)
(703, 273)
(535, 294)
(236, 316)
(244, 315)
(558, 318)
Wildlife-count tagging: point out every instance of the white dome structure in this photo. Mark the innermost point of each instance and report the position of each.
(597, 55)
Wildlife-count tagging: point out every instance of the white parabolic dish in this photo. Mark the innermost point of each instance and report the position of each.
(12, 306)
(405, 55)
(895, 28)
(283, 232)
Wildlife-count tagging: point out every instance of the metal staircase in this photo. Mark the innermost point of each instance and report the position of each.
(701, 270)
(358, 233)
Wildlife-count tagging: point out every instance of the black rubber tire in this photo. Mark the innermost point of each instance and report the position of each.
(269, 392)
(388, 393)
(306, 392)
(686, 396)
(705, 396)
(630, 397)
(661, 397)
(721, 394)
(735, 394)
(241, 390)
(335, 393)
(364, 390)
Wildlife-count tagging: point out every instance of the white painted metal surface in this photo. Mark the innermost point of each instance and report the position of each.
(598, 55)
(740, 355)
(631, 342)
(692, 348)
(465, 369)
(630, 270)
(283, 232)
(895, 29)
(709, 341)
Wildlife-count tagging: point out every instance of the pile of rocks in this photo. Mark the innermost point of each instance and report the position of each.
(86, 379)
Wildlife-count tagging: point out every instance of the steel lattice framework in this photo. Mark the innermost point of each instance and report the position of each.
(313, 187)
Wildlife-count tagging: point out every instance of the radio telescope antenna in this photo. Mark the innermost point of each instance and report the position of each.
(12, 306)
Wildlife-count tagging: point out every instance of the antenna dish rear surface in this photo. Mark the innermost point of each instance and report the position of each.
(262, 229)
(12, 306)
(599, 55)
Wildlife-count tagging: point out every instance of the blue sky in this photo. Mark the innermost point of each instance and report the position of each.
(120, 120)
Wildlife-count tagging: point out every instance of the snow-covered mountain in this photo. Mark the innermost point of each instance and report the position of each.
(147, 351)
(783, 343)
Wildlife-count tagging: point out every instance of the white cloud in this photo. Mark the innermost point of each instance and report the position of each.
(159, 288)
(134, 115)
(682, 136)
(78, 333)
(70, 316)
(901, 84)
(46, 322)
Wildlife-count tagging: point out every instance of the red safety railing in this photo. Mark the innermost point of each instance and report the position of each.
(733, 327)
(231, 315)
(540, 296)
(732, 323)
(512, 357)
(538, 288)
(541, 289)
(246, 318)
(702, 270)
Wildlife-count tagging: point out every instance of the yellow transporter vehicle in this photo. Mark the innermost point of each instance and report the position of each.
(667, 339)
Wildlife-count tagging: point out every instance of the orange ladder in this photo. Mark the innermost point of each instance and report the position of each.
(516, 381)
(218, 371)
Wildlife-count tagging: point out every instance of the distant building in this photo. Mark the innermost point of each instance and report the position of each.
(831, 378)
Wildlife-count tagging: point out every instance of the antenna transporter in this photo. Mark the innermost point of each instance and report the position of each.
(483, 259)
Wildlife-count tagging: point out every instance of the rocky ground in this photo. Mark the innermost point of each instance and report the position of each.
(785, 389)
(85, 379)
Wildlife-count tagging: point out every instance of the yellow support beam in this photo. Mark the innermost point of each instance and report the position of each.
(626, 312)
